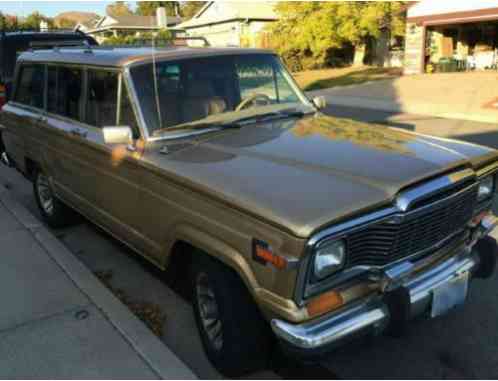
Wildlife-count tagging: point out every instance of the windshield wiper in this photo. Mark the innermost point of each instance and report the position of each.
(269, 116)
(237, 123)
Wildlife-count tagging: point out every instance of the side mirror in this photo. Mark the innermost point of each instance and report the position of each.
(320, 102)
(117, 135)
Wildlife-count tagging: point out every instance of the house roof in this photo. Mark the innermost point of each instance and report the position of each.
(228, 11)
(130, 22)
(431, 8)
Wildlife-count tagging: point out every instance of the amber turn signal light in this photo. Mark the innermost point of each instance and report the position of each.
(324, 303)
(263, 254)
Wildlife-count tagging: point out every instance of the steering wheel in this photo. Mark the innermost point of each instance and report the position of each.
(242, 105)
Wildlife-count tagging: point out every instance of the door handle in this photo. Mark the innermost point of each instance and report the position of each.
(78, 132)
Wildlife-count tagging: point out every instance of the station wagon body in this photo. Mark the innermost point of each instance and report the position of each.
(213, 160)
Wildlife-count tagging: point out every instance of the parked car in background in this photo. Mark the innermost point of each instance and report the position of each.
(288, 223)
(12, 44)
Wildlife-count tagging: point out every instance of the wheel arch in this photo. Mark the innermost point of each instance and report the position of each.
(190, 241)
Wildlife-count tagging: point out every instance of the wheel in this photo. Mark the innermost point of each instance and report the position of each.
(234, 335)
(54, 212)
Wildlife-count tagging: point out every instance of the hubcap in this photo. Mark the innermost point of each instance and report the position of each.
(45, 194)
(209, 312)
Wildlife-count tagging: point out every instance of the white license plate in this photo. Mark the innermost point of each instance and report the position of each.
(449, 294)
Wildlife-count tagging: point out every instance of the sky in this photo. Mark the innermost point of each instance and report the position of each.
(52, 8)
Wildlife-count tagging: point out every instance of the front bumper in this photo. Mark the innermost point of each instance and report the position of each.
(375, 313)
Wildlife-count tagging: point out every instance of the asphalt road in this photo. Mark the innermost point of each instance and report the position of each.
(462, 344)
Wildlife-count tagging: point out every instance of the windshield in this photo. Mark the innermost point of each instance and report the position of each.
(206, 91)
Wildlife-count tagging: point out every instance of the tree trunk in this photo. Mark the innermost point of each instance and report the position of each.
(359, 54)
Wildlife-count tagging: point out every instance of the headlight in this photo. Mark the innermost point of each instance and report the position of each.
(486, 188)
(329, 258)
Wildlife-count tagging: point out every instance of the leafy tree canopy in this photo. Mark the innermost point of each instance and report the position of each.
(308, 31)
(32, 21)
(188, 9)
(118, 8)
(148, 8)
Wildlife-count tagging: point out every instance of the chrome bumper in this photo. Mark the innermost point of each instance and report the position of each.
(372, 315)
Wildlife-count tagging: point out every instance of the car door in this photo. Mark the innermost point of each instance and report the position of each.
(116, 166)
(72, 174)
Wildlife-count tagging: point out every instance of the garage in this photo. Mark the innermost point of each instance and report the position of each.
(451, 36)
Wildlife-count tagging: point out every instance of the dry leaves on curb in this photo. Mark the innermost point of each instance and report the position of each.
(149, 313)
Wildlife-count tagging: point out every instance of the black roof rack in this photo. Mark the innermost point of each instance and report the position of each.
(193, 38)
(56, 45)
(56, 30)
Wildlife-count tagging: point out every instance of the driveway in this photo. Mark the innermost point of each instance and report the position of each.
(465, 96)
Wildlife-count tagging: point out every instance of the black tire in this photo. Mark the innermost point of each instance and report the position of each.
(246, 340)
(59, 215)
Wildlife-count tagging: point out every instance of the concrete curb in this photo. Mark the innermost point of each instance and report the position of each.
(153, 352)
(389, 106)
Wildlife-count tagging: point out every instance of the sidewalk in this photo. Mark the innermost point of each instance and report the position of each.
(465, 96)
(58, 321)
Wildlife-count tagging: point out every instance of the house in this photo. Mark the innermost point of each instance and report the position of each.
(131, 25)
(461, 32)
(238, 24)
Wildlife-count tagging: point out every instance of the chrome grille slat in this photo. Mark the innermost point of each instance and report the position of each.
(386, 241)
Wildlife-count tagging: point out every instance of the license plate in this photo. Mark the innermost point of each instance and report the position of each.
(449, 294)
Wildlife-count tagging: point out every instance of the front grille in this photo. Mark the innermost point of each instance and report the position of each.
(395, 238)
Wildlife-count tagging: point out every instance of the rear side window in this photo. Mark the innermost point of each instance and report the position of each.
(30, 87)
(101, 106)
(65, 91)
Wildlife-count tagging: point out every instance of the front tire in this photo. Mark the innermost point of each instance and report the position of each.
(235, 337)
(53, 211)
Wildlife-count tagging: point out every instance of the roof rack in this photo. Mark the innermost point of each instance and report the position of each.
(56, 45)
(193, 38)
(55, 30)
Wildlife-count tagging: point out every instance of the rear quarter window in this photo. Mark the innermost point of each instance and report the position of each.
(30, 86)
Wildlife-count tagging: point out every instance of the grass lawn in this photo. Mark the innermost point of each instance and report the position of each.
(327, 78)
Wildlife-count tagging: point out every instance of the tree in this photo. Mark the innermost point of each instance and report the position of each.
(308, 32)
(159, 39)
(188, 9)
(148, 8)
(119, 8)
(32, 21)
(3, 22)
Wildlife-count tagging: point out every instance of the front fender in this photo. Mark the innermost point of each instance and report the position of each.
(218, 249)
(271, 304)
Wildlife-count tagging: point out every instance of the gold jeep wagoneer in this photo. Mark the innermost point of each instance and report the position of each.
(289, 223)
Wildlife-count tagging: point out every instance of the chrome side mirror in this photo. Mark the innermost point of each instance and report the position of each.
(117, 135)
(320, 102)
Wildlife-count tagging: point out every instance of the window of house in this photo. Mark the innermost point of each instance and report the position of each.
(101, 105)
(30, 87)
(65, 91)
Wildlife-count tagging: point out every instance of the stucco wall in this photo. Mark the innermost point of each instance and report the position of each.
(226, 34)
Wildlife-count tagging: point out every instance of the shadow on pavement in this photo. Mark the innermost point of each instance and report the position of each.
(489, 138)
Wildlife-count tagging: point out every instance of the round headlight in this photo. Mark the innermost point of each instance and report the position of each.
(485, 188)
(329, 258)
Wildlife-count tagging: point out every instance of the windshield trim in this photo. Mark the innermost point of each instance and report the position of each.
(148, 137)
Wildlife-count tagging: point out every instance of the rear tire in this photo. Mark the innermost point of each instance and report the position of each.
(53, 211)
(235, 337)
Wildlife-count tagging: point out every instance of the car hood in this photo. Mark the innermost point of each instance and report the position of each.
(303, 174)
